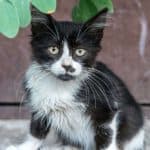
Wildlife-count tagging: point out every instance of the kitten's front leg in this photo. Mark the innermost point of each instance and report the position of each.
(106, 135)
(39, 129)
(31, 143)
(61, 147)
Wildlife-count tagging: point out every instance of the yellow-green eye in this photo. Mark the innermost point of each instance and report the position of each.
(80, 52)
(53, 50)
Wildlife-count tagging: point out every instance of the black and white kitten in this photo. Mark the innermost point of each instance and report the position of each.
(81, 100)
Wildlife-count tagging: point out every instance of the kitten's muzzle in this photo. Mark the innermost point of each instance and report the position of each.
(67, 76)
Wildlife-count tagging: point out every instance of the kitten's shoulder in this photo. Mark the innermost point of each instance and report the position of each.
(102, 67)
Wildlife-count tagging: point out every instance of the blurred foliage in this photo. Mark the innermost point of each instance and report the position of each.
(16, 13)
(88, 8)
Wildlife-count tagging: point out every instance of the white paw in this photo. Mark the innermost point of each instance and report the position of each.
(70, 148)
(12, 148)
(62, 148)
(45, 148)
(22, 147)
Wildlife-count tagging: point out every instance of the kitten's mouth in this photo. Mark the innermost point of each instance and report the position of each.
(66, 77)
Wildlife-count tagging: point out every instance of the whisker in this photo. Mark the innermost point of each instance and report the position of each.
(110, 90)
(110, 80)
(55, 35)
(92, 90)
(56, 31)
(101, 90)
(110, 22)
(51, 31)
(86, 91)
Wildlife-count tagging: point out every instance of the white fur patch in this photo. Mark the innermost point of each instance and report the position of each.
(60, 148)
(75, 126)
(67, 60)
(137, 143)
(56, 99)
(49, 93)
(30, 144)
(113, 125)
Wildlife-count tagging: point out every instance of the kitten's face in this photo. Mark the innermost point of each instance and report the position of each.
(66, 49)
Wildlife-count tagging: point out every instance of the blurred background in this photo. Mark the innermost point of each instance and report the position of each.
(126, 50)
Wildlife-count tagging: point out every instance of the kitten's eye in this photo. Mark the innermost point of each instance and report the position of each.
(80, 52)
(53, 50)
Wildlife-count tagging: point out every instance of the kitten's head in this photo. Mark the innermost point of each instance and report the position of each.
(66, 49)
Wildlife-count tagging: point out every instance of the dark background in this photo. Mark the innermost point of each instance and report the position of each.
(121, 52)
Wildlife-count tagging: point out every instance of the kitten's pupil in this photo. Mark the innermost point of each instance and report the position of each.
(80, 51)
(53, 49)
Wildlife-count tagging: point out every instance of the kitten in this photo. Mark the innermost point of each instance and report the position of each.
(81, 100)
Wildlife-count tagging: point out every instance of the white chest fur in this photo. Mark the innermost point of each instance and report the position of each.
(48, 93)
(56, 99)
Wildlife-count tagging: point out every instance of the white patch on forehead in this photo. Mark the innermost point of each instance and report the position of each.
(65, 50)
(66, 58)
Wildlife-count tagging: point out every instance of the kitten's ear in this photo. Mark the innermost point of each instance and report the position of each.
(97, 23)
(41, 23)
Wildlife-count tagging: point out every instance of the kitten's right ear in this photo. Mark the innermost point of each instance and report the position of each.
(96, 24)
(41, 23)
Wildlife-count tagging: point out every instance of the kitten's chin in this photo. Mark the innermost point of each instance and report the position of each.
(65, 77)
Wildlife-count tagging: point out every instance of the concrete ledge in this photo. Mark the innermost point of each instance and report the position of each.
(15, 131)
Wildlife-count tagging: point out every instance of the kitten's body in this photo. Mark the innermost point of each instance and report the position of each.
(73, 116)
(88, 107)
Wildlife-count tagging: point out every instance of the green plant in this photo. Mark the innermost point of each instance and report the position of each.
(87, 8)
(16, 13)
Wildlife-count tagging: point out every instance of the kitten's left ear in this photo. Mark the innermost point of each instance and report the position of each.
(97, 23)
(42, 22)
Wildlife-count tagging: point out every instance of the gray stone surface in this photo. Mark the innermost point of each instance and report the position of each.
(15, 131)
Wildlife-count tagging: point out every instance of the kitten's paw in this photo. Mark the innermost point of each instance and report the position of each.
(22, 147)
(64, 148)
(70, 148)
(12, 148)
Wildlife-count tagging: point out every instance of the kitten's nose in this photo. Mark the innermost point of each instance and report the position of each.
(68, 68)
(67, 64)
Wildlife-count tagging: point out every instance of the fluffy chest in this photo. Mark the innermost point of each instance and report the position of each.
(57, 101)
(74, 126)
(49, 94)
(65, 115)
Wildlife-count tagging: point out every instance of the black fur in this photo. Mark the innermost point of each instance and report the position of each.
(39, 126)
(110, 94)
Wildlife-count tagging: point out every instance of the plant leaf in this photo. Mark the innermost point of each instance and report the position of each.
(23, 10)
(9, 20)
(85, 9)
(100, 4)
(46, 6)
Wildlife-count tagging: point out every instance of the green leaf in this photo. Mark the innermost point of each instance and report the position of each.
(23, 10)
(100, 4)
(9, 20)
(85, 9)
(46, 6)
